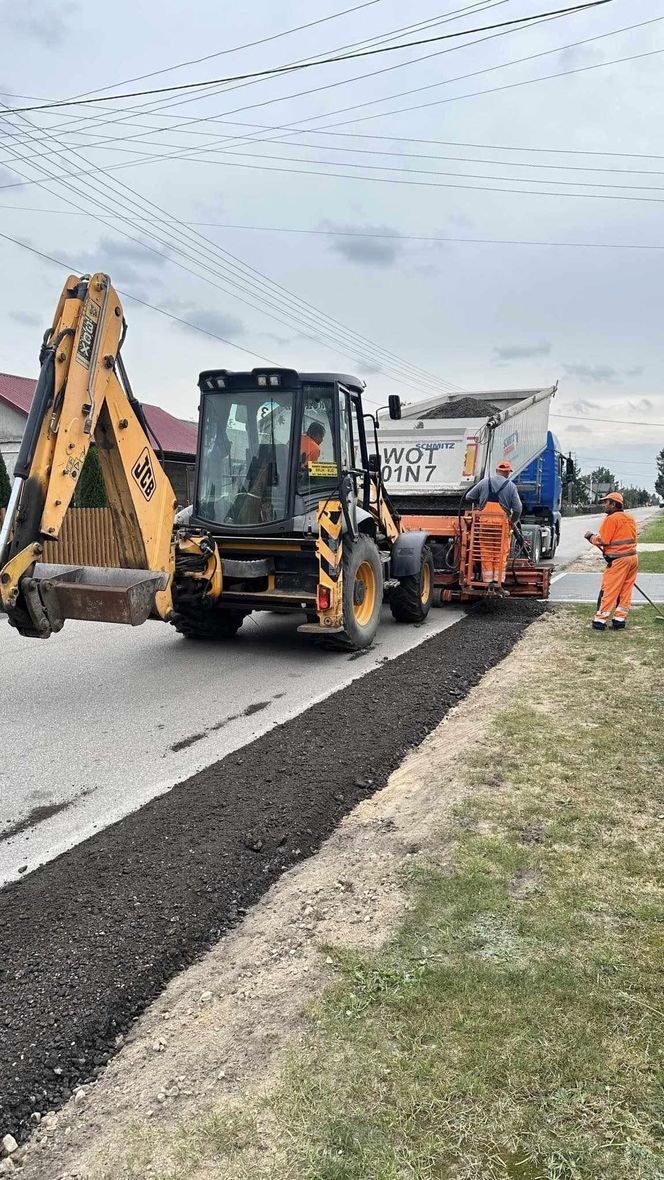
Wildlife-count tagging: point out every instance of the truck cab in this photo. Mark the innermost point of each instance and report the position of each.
(540, 486)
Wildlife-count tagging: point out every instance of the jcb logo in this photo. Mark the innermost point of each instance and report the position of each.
(86, 339)
(143, 473)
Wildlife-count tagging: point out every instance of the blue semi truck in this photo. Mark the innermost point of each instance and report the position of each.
(540, 486)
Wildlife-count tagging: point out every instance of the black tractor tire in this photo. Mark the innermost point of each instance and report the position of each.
(362, 594)
(208, 625)
(410, 601)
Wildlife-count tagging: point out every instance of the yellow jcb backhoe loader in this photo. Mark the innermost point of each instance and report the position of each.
(289, 512)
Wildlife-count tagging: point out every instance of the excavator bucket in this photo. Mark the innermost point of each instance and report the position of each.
(57, 592)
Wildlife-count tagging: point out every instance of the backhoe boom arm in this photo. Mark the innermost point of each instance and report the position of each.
(79, 396)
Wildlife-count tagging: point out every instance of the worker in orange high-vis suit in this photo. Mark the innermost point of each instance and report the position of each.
(497, 498)
(617, 540)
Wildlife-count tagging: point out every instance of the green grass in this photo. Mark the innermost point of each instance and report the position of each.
(651, 563)
(513, 1029)
(654, 530)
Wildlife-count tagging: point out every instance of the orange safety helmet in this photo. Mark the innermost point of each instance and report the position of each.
(615, 496)
(504, 468)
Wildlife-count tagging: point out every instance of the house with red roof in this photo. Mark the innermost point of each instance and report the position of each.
(176, 437)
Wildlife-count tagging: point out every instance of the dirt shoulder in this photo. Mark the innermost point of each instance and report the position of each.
(462, 982)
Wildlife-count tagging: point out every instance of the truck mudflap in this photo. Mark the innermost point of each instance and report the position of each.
(53, 593)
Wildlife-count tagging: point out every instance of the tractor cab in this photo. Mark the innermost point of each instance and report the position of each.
(272, 445)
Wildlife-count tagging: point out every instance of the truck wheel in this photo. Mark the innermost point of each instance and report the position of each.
(536, 547)
(362, 594)
(209, 625)
(411, 601)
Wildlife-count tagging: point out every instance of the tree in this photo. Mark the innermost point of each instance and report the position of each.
(5, 486)
(90, 492)
(636, 497)
(603, 475)
(659, 482)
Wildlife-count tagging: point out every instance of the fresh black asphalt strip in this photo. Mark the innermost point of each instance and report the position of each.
(89, 939)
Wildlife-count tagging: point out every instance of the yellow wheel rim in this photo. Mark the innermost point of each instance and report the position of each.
(364, 593)
(425, 589)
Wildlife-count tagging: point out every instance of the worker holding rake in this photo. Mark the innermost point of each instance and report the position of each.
(617, 540)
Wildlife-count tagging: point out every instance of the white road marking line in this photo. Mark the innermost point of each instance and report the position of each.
(559, 576)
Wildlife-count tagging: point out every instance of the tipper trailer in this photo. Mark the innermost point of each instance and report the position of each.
(434, 452)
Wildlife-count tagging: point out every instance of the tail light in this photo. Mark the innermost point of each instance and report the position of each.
(323, 598)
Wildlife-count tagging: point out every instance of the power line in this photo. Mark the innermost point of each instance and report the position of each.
(445, 18)
(389, 180)
(453, 142)
(393, 237)
(236, 48)
(307, 316)
(227, 163)
(607, 421)
(474, 8)
(297, 66)
(491, 69)
(181, 153)
(116, 146)
(207, 332)
(427, 171)
(389, 69)
(153, 307)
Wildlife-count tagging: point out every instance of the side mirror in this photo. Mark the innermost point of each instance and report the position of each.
(374, 463)
(394, 403)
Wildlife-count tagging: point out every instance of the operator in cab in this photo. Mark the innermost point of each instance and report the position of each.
(495, 494)
(310, 443)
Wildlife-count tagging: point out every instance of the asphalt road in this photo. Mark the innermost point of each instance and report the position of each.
(99, 719)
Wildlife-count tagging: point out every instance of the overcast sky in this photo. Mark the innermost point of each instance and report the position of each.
(476, 315)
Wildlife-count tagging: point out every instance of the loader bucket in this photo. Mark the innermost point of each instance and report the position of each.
(93, 593)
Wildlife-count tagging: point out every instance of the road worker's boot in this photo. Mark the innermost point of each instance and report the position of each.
(599, 625)
(618, 624)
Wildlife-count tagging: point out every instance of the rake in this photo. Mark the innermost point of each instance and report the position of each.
(658, 617)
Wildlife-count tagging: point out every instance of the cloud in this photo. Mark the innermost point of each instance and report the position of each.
(26, 317)
(37, 20)
(585, 406)
(515, 352)
(596, 374)
(602, 374)
(644, 406)
(118, 250)
(365, 251)
(217, 323)
(129, 263)
(578, 428)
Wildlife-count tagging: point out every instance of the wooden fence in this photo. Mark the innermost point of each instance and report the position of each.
(87, 537)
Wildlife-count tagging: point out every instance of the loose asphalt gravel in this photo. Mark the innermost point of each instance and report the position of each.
(88, 940)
